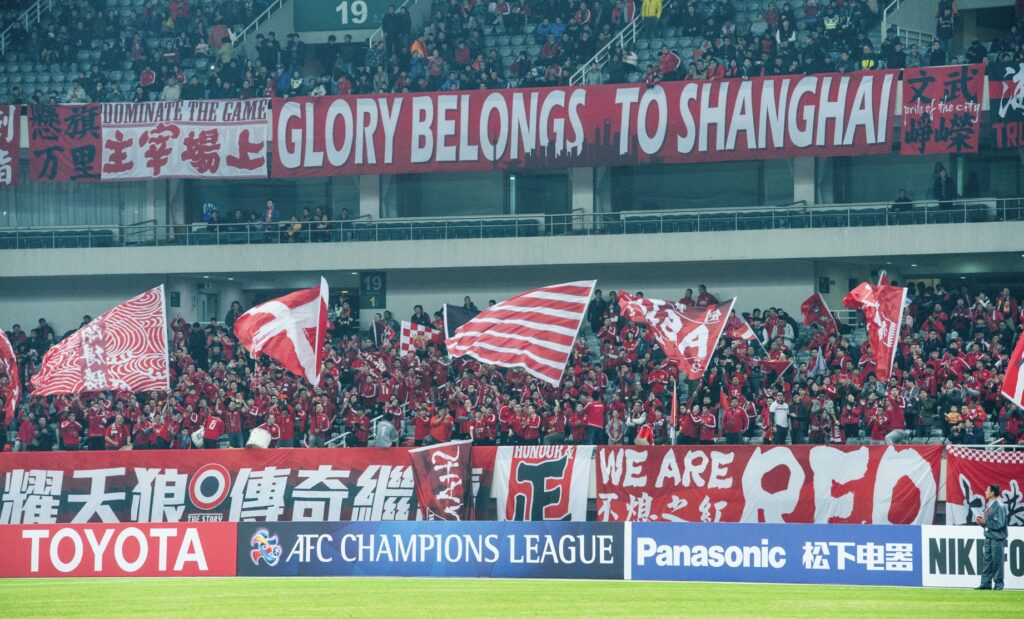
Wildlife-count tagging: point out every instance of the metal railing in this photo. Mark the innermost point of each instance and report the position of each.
(908, 36)
(237, 39)
(626, 36)
(378, 34)
(982, 210)
(30, 17)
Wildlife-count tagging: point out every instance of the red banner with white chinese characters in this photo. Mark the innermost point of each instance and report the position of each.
(212, 486)
(185, 139)
(10, 144)
(801, 484)
(627, 124)
(109, 550)
(942, 109)
(64, 142)
(968, 474)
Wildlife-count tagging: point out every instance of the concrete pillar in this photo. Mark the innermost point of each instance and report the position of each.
(581, 181)
(803, 179)
(369, 196)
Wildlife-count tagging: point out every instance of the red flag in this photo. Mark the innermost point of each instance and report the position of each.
(11, 389)
(883, 278)
(816, 311)
(534, 330)
(883, 307)
(416, 337)
(124, 349)
(1013, 383)
(687, 335)
(444, 480)
(290, 330)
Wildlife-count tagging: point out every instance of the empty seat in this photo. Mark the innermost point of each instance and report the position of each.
(428, 230)
(364, 232)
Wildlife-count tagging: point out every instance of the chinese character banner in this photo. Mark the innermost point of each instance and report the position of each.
(213, 486)
(160, 139)
(10, 139)
(792, 484)
(942, 109)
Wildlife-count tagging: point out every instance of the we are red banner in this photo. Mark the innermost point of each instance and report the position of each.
(969, 472)
(802, 484)
(442, 473)
(64, 142)
(212, 486)
(942, 109)
(10, 144)
(109, 550)
(628, 124)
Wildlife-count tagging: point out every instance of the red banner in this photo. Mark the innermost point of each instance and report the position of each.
(942, 109)
(969, 472)
(802, 484)
(10, 144)
(629, 124)
(108, 550)
(443, 474)
(213, 486)
(64, 142)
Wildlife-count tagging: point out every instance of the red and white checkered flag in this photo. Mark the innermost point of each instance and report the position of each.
(416, 337)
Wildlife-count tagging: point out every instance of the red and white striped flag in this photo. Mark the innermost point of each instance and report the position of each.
(124, 349)
(1013, 382)
(416, 337)
(742, 332)
(534, 330)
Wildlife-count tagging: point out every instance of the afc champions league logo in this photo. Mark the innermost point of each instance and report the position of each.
(264, 547)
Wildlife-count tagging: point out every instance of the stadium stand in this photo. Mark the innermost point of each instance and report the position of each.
(138, 50)
(955, 343)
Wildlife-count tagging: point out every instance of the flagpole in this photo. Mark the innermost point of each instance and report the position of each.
(675, 408)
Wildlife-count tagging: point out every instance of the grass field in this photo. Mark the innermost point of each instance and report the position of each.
(392, 597)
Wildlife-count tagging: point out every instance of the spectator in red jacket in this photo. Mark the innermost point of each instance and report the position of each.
(213, 429)
(116, 437)
(736, 422)
(70, 431)
(594, 410)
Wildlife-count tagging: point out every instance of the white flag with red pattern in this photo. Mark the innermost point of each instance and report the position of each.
(124, 349)
(417, 337)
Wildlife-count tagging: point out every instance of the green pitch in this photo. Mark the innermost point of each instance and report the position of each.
(449, 598)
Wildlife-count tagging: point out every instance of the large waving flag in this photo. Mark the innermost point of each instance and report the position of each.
(534, 330)
(687, 335)
(289, 329)
(11, 389)
(124, 349)
(1013, 382)
(883, 307)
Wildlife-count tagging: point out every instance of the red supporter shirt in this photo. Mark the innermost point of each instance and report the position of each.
(119, 436)
(594, 412)
(69, 431)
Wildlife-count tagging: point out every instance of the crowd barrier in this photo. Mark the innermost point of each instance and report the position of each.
(884, 555)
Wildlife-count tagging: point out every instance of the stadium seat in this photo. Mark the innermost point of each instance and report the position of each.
(428, 230)
(364, 232)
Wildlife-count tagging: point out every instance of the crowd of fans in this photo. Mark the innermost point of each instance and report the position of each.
(617, 388)
(183, 49)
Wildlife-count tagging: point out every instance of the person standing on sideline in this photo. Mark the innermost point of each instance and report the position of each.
(993, 519)
(780, 419)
